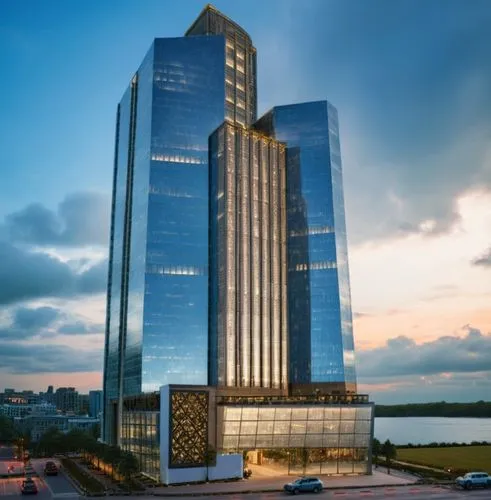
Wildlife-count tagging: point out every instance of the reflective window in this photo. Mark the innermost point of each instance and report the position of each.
(320, 323)
(159, 236)
(140, 434)
(301, 434)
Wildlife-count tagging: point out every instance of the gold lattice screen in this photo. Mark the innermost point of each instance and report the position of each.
(188, 428)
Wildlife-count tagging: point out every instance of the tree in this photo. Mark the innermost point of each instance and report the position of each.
(376, 449)
(127, 466)
(76, 440)
(389, 450)
(52, 441)
(111, 455)
(95, 431)
(8, 432)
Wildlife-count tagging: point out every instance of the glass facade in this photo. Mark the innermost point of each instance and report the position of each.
(141, 436)
(248, 297)
(240, 64)
(157, 312)
(320, 322)
(228, 267)
(325, 439)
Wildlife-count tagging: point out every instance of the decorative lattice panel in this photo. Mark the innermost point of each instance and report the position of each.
(188, 428)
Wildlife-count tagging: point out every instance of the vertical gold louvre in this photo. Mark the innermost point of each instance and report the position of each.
(251, 247)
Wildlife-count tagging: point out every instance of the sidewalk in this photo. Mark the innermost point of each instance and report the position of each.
(269, 484)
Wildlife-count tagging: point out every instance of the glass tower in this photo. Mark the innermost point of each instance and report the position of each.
(269, 304)
(157, 312)
(157, 299)
(248, 261)
(319, 302)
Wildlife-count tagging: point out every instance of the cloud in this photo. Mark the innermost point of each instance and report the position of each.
(30, 322)
(23, 358)
(415, 132)
(417, 269)
(81, 328)
(81, 219)
(30, 319)
(401, 356)
(27, 275)
(94, 279)
(484, 260)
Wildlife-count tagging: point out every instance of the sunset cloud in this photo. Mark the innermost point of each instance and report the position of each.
(401, 356)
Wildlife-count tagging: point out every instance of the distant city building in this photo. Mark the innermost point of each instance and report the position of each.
(21, 410)
(228, 305)
(37, 425)
(67, 400)
(95, 403)
(11, 396)
(83, 404)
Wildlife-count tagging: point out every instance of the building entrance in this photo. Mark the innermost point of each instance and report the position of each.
(307, 461)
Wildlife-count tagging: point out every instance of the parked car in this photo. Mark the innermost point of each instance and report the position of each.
(304, 484)
(28, 487)
(50, 469)
(474, 480)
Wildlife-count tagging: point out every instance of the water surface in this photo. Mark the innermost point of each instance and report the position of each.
(424, 430)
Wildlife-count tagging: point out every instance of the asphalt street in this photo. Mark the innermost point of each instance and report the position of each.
(11, 488)
(49, 488)
(403, 493)
(59, 486)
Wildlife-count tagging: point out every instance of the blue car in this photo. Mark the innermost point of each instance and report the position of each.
(311, 484)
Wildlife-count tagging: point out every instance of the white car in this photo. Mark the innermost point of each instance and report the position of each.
(474, 480)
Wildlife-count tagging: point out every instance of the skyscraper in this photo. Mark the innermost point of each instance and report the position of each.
(228, 305)
(248, 261)
(157, 300)
(320, 321)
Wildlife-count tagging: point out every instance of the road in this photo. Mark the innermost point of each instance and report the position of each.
(401, 492)
(11, 488)
(49, 488)
(58, 487)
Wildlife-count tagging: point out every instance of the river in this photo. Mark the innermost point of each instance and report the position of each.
(424, 430)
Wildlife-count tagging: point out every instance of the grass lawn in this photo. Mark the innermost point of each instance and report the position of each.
(471, 458)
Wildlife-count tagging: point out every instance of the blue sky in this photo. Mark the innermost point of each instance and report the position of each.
(412, 83)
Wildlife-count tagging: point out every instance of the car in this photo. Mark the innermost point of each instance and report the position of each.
(474, 480)
(50, 469)
(304, 484)
(28, 487)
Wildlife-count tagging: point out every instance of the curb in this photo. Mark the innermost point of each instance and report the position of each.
(270, 490)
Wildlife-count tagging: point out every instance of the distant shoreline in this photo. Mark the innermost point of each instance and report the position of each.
(480, 409)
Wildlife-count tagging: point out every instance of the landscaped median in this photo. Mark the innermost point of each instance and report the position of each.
(87, 483)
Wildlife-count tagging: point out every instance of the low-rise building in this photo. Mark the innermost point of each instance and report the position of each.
(22, 409)
(39, 424)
